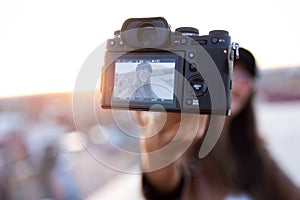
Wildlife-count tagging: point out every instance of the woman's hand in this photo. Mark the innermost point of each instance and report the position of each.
(165, 137)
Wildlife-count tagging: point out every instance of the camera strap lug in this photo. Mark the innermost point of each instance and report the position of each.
(235, 48)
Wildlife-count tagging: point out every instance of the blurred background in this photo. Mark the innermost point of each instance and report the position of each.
(44, 154)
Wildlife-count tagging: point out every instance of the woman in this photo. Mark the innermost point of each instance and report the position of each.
(239, 166)
(142, 86)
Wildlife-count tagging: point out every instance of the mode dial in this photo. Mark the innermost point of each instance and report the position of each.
(187, 30)
(218, 32)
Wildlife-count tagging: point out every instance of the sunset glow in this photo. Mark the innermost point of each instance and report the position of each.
(43, 44)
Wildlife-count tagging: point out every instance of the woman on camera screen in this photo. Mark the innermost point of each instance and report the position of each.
(142, 85)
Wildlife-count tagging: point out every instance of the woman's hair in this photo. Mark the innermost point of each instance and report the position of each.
(246, 145)
(240, 162)
(141, 66)
(247, 60)
(244, 166)
(140, 88)
(144, 65)
(247, 148)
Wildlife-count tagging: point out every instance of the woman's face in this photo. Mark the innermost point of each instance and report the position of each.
(143, 75)
(242, 88)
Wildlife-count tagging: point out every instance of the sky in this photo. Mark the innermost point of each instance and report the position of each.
(43, 44)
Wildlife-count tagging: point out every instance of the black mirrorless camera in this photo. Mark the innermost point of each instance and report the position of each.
(149, 67)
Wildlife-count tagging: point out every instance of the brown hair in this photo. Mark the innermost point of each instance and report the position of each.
(240, 155)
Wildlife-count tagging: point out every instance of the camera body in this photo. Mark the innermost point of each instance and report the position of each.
(149, 67)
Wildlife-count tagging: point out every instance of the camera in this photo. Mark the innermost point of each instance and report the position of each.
(148, 66)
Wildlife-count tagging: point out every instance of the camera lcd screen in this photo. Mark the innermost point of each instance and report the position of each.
(145, 79)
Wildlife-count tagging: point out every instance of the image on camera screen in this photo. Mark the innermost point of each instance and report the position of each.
(145, 80)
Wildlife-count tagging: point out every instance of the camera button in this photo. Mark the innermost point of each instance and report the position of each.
(191, 55)
(193, 67)
(121, 43)
(214, 40)
(183, 41)
(197, 87)
(189, 101)
(112, 42)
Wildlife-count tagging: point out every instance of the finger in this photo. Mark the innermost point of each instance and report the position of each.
(172, 118)
(202, 125)
(142, 118)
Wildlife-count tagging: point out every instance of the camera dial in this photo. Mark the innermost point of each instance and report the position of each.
(218, 32)
(188, 31)
(197, 86)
